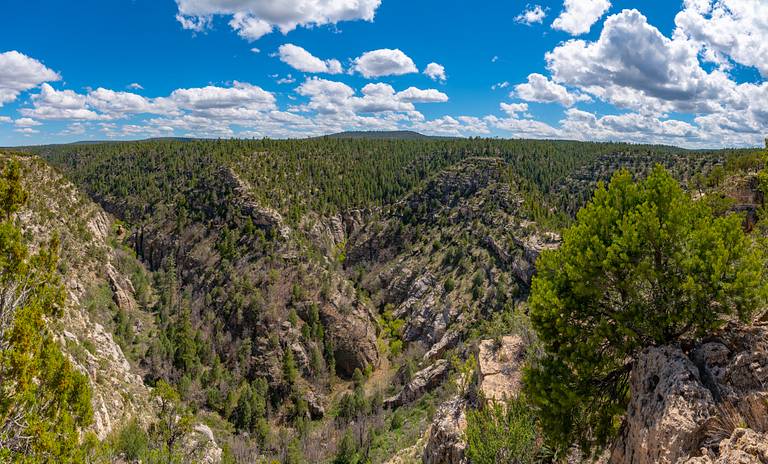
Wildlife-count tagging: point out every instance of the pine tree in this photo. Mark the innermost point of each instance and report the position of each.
(643, 265)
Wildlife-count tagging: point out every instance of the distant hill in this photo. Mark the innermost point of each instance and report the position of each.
(383, 135)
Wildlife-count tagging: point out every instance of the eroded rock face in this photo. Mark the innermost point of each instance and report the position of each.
(350, 325)
(423, 381)
(499, 367)
(499, 373)
(446, 443)
(667, 412)
(709, 406)
(744, 446)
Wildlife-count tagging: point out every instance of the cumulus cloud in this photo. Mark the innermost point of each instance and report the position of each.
(728, 31)
(254, 18)
(384, 62)
(452, 126)
(336, 98)
(414, 95)
(249, 27)
(301, 60)
(636, 127)
(435, 71)
(578, 16)
(634, 65)
(540, 89)
(531, 15)
(19, 73)
(26, 122)
(135, 86)
(512, 109)
(60, 104)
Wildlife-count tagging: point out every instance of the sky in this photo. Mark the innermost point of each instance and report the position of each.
(689, 73)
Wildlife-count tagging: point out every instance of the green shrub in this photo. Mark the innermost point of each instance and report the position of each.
(502, 433)
(643, 265)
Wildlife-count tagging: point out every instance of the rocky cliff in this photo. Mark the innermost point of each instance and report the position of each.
(88, 268)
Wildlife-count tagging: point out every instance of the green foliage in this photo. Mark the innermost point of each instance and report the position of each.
(44, 400)
(347, 451)
(132, 442)
(643, 265)
(174, 423)
(502, 432)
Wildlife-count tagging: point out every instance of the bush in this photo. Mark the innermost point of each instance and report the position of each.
(132, 442)
(643, 265)
(502, 433)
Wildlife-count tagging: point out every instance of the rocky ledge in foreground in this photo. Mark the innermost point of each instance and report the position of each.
(706, 406)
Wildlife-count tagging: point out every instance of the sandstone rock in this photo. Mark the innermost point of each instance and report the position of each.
(499, 367)
(423, 381)
(668, 408)
(446, 436)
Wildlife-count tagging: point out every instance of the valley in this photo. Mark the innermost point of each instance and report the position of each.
(320, 300)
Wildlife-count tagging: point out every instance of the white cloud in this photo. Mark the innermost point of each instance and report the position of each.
(335, 106)
(194, 23)
(115, 103)
(531, 15)
(249, 27)
(19, 73)
(288, 79)
(26, 122)
(301, 60)
(60, 104)
(500, 85)
(728, 30)
(450, 126)
(512, 109)
(578, 16)
(384, 62)
(414, 95)
(542, 90)
(634, 66)
(254, 18)
(135, 86)
(256, 50)
(26, 130)
(435, 71)
(5, 119)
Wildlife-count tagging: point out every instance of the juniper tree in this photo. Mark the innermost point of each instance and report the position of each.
(643, 265)
(44, 400)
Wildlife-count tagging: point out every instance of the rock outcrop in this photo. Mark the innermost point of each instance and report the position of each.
(499, 367)
(668, 411)
(446, 444)
(423, 381)
(709, 405)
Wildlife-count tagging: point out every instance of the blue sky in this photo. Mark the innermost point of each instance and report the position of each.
(685, 73)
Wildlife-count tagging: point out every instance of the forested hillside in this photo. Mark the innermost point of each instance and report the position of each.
(312, 300)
